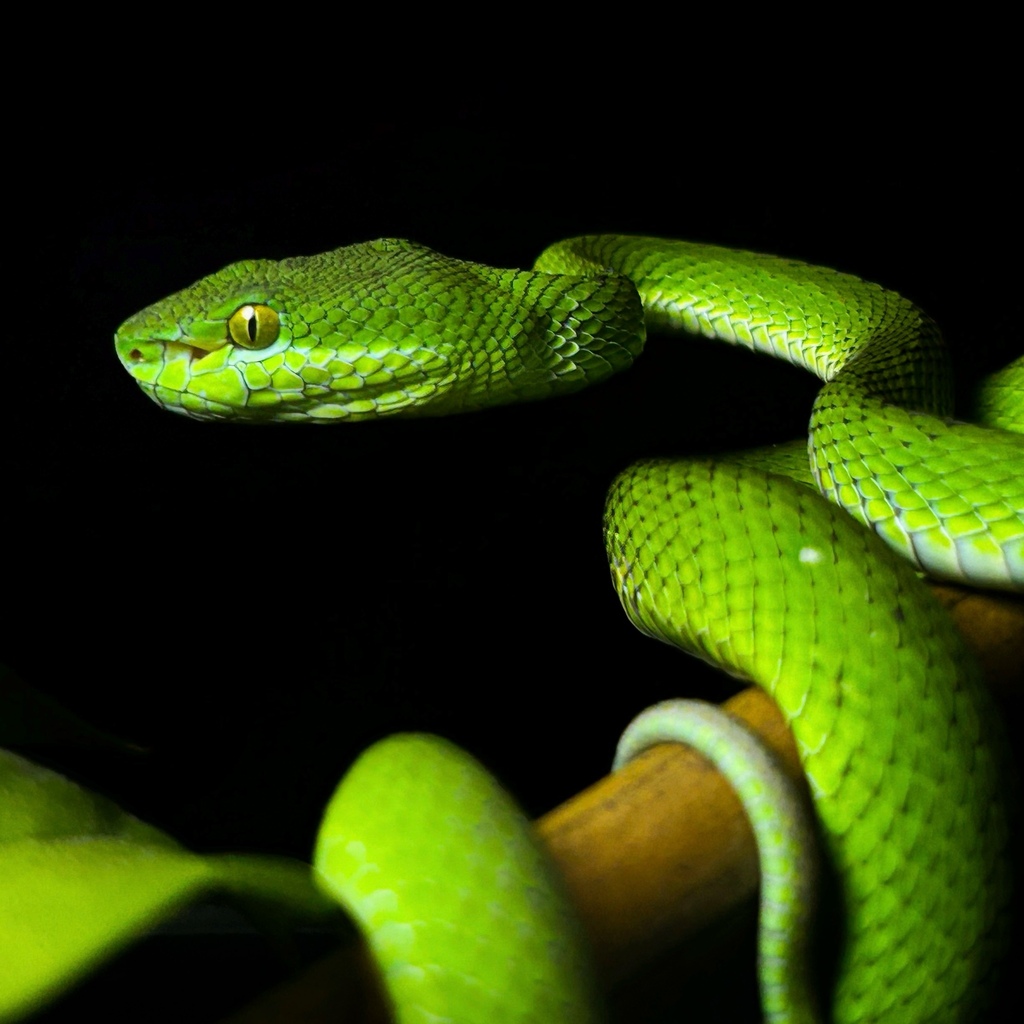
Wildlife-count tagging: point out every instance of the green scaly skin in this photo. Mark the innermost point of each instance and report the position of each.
(743, 567)
(440, 868)
(886, 705)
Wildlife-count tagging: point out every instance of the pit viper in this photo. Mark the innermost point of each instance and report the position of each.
(799, 572)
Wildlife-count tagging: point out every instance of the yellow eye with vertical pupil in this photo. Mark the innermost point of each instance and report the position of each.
(254, 326)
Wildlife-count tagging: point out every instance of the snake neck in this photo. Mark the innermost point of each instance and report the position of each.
(825, 321)
(882, 445)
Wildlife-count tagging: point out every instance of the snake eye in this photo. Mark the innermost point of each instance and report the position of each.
(254, 326)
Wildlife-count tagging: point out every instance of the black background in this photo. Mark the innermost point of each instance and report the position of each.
(256, 605)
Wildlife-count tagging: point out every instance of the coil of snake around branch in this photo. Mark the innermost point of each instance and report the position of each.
(798, 570)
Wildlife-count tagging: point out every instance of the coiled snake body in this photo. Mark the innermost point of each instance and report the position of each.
(747, 568)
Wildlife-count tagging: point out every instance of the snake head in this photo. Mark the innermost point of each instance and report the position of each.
(318, 338)
(377, 329)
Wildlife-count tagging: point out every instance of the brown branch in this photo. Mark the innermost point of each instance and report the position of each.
(654, 856)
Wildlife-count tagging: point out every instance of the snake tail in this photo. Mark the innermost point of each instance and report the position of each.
(784, 832)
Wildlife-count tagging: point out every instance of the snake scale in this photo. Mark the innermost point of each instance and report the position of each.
(740, 562)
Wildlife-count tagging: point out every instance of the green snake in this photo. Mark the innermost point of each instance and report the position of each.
(740, 562)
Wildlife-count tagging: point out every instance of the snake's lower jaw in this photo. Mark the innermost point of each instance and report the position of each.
(211, 385)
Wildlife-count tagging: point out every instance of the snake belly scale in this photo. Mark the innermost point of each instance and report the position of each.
(805, 582)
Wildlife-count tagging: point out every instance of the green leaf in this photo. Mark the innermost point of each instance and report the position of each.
(81, 878)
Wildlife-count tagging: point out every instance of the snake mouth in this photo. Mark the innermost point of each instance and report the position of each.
(175, 350)
(193, 353)
(164, 352)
